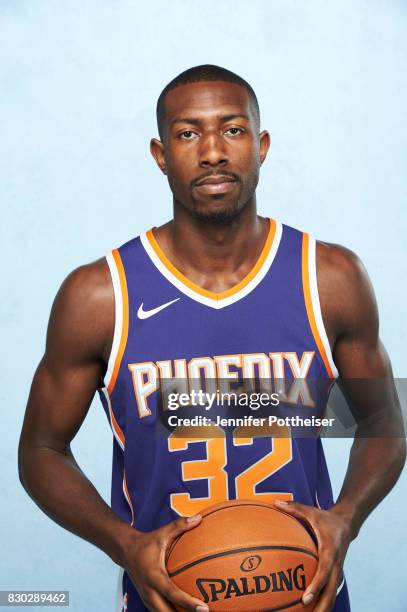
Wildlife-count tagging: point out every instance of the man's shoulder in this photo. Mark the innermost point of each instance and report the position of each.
(82, 315)
(88, 277)
(86, 290)
(338, 263)
(345, 291)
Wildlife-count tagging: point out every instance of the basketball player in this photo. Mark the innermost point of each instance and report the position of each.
(213, 291)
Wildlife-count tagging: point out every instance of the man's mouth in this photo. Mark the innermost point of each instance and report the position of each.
(216, 184)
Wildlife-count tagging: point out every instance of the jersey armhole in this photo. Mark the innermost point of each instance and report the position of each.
(312, 304)
(121, 324)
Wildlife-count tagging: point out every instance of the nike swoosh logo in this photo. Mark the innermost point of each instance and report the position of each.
(146, 314)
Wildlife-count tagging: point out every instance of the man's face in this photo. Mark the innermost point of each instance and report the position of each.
(211, 149)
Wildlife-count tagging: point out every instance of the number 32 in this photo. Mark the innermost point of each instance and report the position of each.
(212, 468)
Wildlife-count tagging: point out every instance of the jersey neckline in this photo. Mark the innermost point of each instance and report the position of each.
(212, 298)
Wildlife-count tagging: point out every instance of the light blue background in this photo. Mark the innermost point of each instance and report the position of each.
(79, 82)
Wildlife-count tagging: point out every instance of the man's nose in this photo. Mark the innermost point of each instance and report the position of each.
(212, 151)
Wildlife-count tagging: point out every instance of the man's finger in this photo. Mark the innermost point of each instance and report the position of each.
(176, 596)
(295, 509)
(325, 562)
(183, 524)
(327, 598)
(321, 578)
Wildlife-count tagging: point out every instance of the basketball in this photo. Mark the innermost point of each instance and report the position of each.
(247, 556)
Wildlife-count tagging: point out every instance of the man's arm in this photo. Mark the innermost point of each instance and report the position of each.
(78, 343)
(360, 354)
(350, 315)
(62, 390)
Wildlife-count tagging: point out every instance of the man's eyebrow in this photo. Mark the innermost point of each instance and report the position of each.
(191, 120)
(195, 121)
(234, 116)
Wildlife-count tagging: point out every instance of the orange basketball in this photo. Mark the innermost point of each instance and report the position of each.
(247, 556)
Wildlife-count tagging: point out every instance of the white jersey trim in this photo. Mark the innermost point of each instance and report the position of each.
(118, 324)
(339, 589)
(212, 302)
(316, 305)
(119, 591)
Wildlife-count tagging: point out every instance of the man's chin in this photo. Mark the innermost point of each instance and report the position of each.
(217, 211)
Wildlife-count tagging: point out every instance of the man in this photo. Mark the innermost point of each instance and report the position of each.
(216, 290)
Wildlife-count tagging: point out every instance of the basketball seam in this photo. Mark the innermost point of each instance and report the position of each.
(238, 505)
(240, 550)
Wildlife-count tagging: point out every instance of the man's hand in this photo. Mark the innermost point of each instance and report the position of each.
(145, 563)
(333, 533)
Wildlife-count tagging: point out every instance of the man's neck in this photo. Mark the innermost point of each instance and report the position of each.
(214, 256)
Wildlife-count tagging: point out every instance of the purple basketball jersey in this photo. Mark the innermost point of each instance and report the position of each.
(168, 327)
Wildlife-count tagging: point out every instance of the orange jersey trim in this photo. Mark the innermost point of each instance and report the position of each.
(125, 320)
(128, 496)
(116, 426)
(212, 294)
(308, 304)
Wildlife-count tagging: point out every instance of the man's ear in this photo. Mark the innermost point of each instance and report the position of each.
(265, 141)
(157, 151)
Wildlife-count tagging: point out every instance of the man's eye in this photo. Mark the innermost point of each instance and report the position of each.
(234, 131)
(187, 135)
